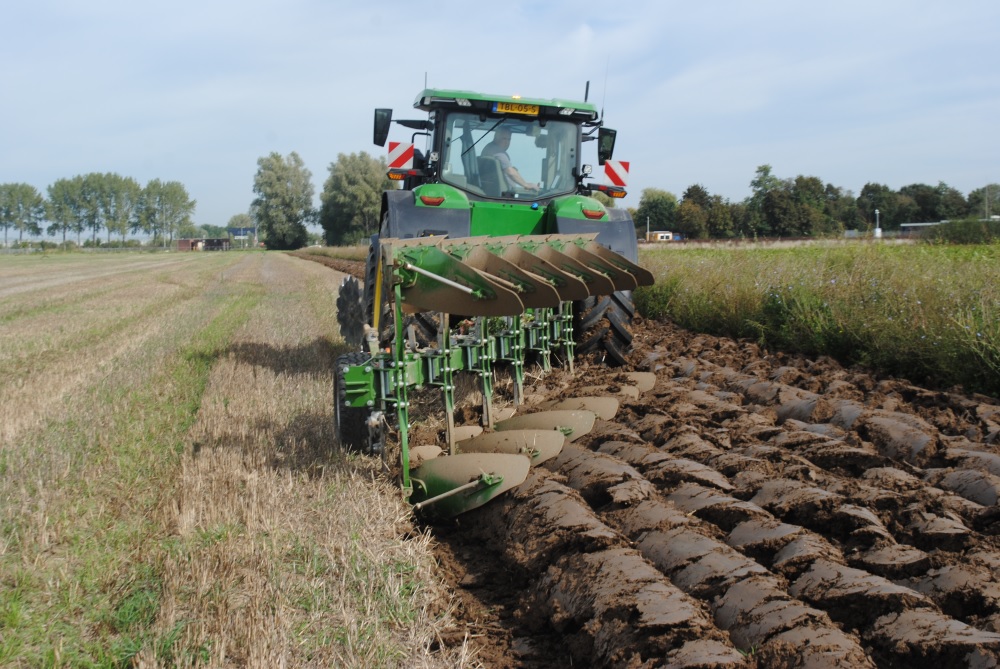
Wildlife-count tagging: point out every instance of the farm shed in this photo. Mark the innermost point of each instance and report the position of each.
(217, 244)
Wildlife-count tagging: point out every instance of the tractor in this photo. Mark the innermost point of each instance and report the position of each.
(494, 252)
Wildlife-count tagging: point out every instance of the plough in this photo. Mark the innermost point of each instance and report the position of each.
(519, 291)
(472, 270)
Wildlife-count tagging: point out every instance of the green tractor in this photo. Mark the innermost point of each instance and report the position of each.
(493, 253)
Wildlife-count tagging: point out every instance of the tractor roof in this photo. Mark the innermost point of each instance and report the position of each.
(432, 98)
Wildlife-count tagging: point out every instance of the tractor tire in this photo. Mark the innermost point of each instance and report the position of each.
(349, 422)
(350, 312)
(425, 324)
(602, 327)
(371, 267)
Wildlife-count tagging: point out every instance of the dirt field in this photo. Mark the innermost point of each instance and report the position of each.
(750, 510)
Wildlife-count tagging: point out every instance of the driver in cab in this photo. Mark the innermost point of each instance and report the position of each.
(498, 149)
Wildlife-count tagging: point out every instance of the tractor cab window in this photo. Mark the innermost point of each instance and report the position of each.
(478, 152)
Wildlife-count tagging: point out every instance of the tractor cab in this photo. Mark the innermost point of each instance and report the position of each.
(479, 156)
(498, 147)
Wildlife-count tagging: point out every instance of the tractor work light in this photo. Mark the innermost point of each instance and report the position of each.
(431, 201)
(593, 214)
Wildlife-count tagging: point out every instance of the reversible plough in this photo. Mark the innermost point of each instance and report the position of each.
(467, 276)
(528, 284)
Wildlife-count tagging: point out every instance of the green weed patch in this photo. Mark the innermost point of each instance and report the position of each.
(930, 313)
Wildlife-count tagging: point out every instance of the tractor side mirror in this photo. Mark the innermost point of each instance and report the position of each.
(605, 144)
(383, 118)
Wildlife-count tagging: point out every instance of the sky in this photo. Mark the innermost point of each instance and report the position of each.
(888, 91)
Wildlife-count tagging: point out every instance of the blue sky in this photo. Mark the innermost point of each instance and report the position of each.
(888, 91)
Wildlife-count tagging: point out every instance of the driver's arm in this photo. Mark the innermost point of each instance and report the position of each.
(516, 177)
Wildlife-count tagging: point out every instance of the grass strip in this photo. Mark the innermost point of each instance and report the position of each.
(923, 312)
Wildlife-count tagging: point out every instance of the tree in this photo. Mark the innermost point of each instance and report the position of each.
(120, 204)
(809, 191)
(65, 207)
(985, 202)
(926, 199)
(935, 203)
(780, 213)
(842, 207)
(657, 210)
(878, 196)
(740, 214)
(951, 203)
(351, 201)
(696, 193)
(720, 219)
(22, 207)
(283, 205)
(763, 183)
(91, 195)
(164, 208)
(215, 231)
(811, 212)
(691, 220)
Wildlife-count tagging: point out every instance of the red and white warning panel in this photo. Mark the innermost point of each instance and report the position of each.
(400, 156)
(617, 172)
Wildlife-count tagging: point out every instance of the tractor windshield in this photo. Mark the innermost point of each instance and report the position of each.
(509, 157)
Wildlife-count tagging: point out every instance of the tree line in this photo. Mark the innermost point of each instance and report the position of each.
(350, 203)
(106, 203)
(806, 207)
(93, 204)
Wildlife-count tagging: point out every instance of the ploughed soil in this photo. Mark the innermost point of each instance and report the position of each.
(751, 509)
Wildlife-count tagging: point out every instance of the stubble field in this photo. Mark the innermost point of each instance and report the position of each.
(169, 490)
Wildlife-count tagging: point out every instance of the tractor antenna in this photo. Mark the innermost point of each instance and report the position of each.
(586, 91)
(425, 79)
(604, 95)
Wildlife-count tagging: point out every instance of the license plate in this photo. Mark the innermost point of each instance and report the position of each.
(515, 108)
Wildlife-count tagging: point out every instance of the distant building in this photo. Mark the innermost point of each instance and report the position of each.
(219, 244)
(911, 229)
(660, 236)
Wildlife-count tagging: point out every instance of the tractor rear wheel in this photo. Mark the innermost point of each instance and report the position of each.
(425, 324)
(350, 312)
(602, 326)
(371, 267)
